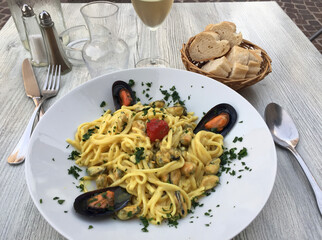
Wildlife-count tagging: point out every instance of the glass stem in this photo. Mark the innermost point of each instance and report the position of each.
(153, 46)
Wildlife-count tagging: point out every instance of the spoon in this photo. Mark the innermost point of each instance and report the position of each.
(285, 134)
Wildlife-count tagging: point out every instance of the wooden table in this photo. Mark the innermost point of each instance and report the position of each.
(295, 83)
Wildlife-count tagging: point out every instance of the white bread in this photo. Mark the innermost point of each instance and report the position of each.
(207, 46)
(239, 71)
(219, 67)
(253, 69)
(238, 55)
(255, 55)
(226, 31)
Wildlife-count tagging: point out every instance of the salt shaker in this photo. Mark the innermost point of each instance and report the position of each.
(54, 48)
(34, 37)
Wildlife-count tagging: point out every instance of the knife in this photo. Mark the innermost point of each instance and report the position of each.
(31, 84)
(32, 91)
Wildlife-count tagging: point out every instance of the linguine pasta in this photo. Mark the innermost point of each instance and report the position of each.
(164, 176)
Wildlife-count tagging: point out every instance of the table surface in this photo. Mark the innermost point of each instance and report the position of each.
(295, 83)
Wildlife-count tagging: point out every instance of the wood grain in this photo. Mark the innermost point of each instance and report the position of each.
(295, 83)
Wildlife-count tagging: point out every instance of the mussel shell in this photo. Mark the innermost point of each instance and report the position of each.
(116, 88)
(215, 111)
(121, 198)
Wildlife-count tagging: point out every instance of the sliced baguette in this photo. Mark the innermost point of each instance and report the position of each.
(238, 55)
(239, 71)
(255, 55)
(207, 46)
(226, 31)
(219, 67)
(253, 69)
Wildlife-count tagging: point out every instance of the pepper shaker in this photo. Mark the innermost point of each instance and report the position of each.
(54, 48)
(34, 37)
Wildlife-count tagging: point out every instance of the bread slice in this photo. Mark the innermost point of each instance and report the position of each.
(219, 67)
(207, 46)
(255, 55)
(238, 55)
(239, 71)
(226, 31)
(253, 69)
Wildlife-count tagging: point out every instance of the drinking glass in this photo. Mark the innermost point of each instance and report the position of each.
(104, 52)
(152, 13)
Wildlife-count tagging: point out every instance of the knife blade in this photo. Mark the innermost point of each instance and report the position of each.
(31, 84)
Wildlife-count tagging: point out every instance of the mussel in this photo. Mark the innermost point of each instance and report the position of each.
(122, 95)
(102, 202)
(220, 119)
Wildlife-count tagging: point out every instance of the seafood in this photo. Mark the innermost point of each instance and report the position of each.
(102, 202)
(220, 119)
(122, 95)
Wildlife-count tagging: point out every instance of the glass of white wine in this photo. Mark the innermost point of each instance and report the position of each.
(152, 13)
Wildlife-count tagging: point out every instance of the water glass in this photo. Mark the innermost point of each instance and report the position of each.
(104, 52)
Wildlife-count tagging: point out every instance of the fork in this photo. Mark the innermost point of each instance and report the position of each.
(50, 89)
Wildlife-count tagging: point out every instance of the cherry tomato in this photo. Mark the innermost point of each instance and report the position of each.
(157, 129)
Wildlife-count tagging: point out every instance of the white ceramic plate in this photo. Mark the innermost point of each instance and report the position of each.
(236, 202)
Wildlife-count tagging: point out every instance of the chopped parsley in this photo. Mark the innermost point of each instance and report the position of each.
(55, 198)
(240, 139)
(242, 153)
(73, 170)
(131, 82)
(103, 104)
(60, 201)
(40, 200)
(173, 220)
(139, 154)
(145, 223)
(74, 155)
(53, 159)
(89, 133)
(81, 187)
(90, 227)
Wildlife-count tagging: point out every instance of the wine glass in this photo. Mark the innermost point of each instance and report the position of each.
(152, 13)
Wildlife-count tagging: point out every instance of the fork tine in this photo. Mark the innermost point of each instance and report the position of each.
(54, 74)
(58, 78)
(47, 78)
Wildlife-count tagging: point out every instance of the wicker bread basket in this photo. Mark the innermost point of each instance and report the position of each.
(236, 84)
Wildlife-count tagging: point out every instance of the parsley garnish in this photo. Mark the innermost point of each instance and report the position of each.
(131, 82)
(103, 104)
(74, 155)
(89, 133)
(145, 223)
(90, 227)
(139, 154)
(60, 201)
(242, 153)
(73, 170)
(81, 187)
(240, 139)
(40, 200)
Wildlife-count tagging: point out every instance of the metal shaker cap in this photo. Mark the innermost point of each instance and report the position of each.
(45, 18)
(27, 11)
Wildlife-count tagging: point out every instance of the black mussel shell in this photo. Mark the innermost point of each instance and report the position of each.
(121, 198)
(215, 111)
(116, 88)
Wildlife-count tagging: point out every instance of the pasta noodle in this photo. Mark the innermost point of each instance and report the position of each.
(163, 176)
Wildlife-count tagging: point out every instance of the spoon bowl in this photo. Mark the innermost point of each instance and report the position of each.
(285, 134)
(281, 125)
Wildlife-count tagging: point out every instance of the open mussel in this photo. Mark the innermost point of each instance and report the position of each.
(122, 95)
(220, 119)
(102, 202)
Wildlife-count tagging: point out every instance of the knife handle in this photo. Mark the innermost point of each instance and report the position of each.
(19, 153)
(41, 112)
